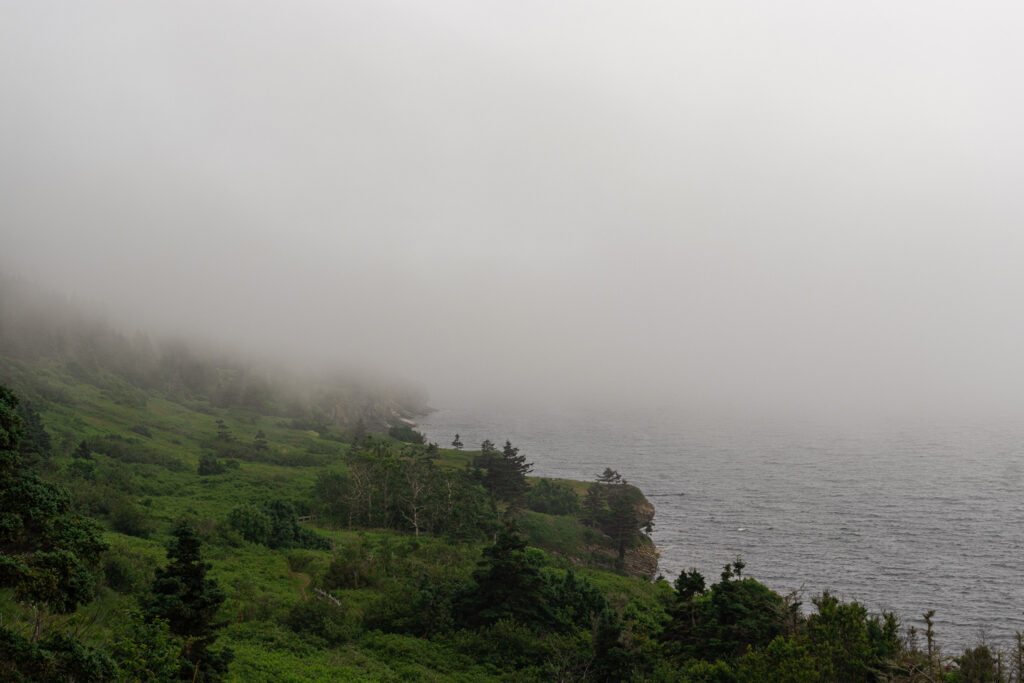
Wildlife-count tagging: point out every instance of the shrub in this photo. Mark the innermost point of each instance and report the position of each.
(128, 519)
(209, 465)
(322, 618)
(407, 434)
(552, 498)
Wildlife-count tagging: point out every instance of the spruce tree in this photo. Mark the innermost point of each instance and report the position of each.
(509, 585)
(188, 600)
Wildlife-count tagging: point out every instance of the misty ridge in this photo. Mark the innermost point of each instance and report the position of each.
(39, 326)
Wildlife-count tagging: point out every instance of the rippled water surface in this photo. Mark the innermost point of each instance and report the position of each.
(905, 518)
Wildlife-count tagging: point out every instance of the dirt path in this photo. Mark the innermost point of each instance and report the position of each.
(305, 581)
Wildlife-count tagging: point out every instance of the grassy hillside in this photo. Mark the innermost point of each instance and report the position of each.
(146, 449)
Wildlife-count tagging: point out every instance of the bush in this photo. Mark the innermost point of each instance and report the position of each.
(130, 449)
(552, 498)
(125, 571)
(407, 434)
(322, 618)
(209, 465)
(128, 519)
(251, 522)
(275, 525)
(142, 430)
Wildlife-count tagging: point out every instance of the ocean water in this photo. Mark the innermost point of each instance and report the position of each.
(903, 518)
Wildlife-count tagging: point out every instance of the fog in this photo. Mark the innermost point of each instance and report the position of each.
(788, 206)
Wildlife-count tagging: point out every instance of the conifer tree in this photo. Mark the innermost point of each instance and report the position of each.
(188, 600)
(508, 585)
(47, 557)
(259, 442)
(35, 441)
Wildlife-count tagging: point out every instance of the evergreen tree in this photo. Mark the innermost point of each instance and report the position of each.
(723, 621)
(610, 505)
(224, 432)
(82, 465)
(35, 441)
(509, 585)
(82, 451)
(47, 557)
(506, 473)
(259, 442)
(188, 600)
(358, 433)
(457, 443)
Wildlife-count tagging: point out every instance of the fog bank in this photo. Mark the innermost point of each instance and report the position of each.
(797, 208)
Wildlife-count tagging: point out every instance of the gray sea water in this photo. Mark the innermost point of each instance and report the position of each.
(904, 518)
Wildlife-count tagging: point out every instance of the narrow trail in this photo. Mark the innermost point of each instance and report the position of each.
(305, 581)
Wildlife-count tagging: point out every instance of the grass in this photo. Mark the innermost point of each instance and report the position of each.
(156, 442)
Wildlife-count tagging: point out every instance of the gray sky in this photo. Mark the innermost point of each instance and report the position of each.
(797, 204)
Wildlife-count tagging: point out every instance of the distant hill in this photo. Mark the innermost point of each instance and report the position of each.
(41, 329)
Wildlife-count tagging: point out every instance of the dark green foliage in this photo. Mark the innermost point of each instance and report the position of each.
(977, 665)
(509, 585)
(457, 443)
(577, 603)
(739, 630)
(188, 600)
(325, 619)
(209, 465)
(721, 622)
(48, 559)
(357, 434)
(407, 434)
(142, 430)
(133, 450)
(55, 658)
(82, 469)
(48, 554)
(612, 661)
(144, 650)
(35, 441)
(82, 451)
(223, 432)
(128, 518)
(82, 465)
(356, 565)
(124, 571)
(505, 473)
(252, 522)
(552, 498)
(784, 660)
(611, 505)
(285, 530)
(506, 645)
(407, 492)
(274, 524)
(432, 610)
(848, 643)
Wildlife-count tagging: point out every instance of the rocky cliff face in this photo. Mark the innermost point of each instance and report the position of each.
(641, 559)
